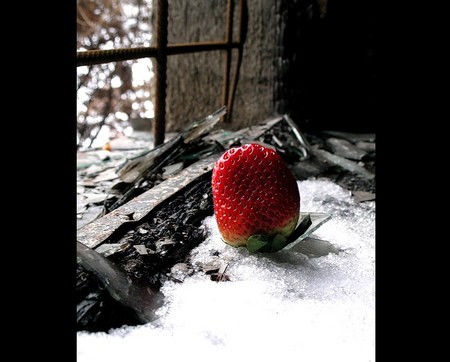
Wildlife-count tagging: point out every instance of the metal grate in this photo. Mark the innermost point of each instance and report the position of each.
(163, 49)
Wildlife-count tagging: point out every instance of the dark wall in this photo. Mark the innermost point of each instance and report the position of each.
(326, 64)
(195, 81)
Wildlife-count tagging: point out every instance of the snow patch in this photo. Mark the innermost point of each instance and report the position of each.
(275, 305)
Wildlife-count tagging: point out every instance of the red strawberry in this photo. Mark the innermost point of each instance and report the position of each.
(256, 198)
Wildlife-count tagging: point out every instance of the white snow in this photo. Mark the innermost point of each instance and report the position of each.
(280, 305)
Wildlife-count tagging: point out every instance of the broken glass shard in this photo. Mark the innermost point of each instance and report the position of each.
(305, 146)
(198, 129)
(317, 220)
(133, 168)
(303, 225)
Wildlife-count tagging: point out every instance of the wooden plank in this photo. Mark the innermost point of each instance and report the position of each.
(100, 230)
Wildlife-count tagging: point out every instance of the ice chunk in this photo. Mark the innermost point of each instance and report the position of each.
(276, 305)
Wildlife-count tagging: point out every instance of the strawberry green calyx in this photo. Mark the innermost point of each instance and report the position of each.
(269, 244)
(265, 243)
(256, 198)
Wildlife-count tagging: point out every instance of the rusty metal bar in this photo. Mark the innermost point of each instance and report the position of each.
(159, 123)
(243, 20)
(92, 57)
(200, 47)
(228, 39)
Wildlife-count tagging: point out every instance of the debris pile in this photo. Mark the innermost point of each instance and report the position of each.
(142, 209)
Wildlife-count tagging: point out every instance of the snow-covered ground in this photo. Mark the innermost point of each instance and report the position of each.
(280, 305)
